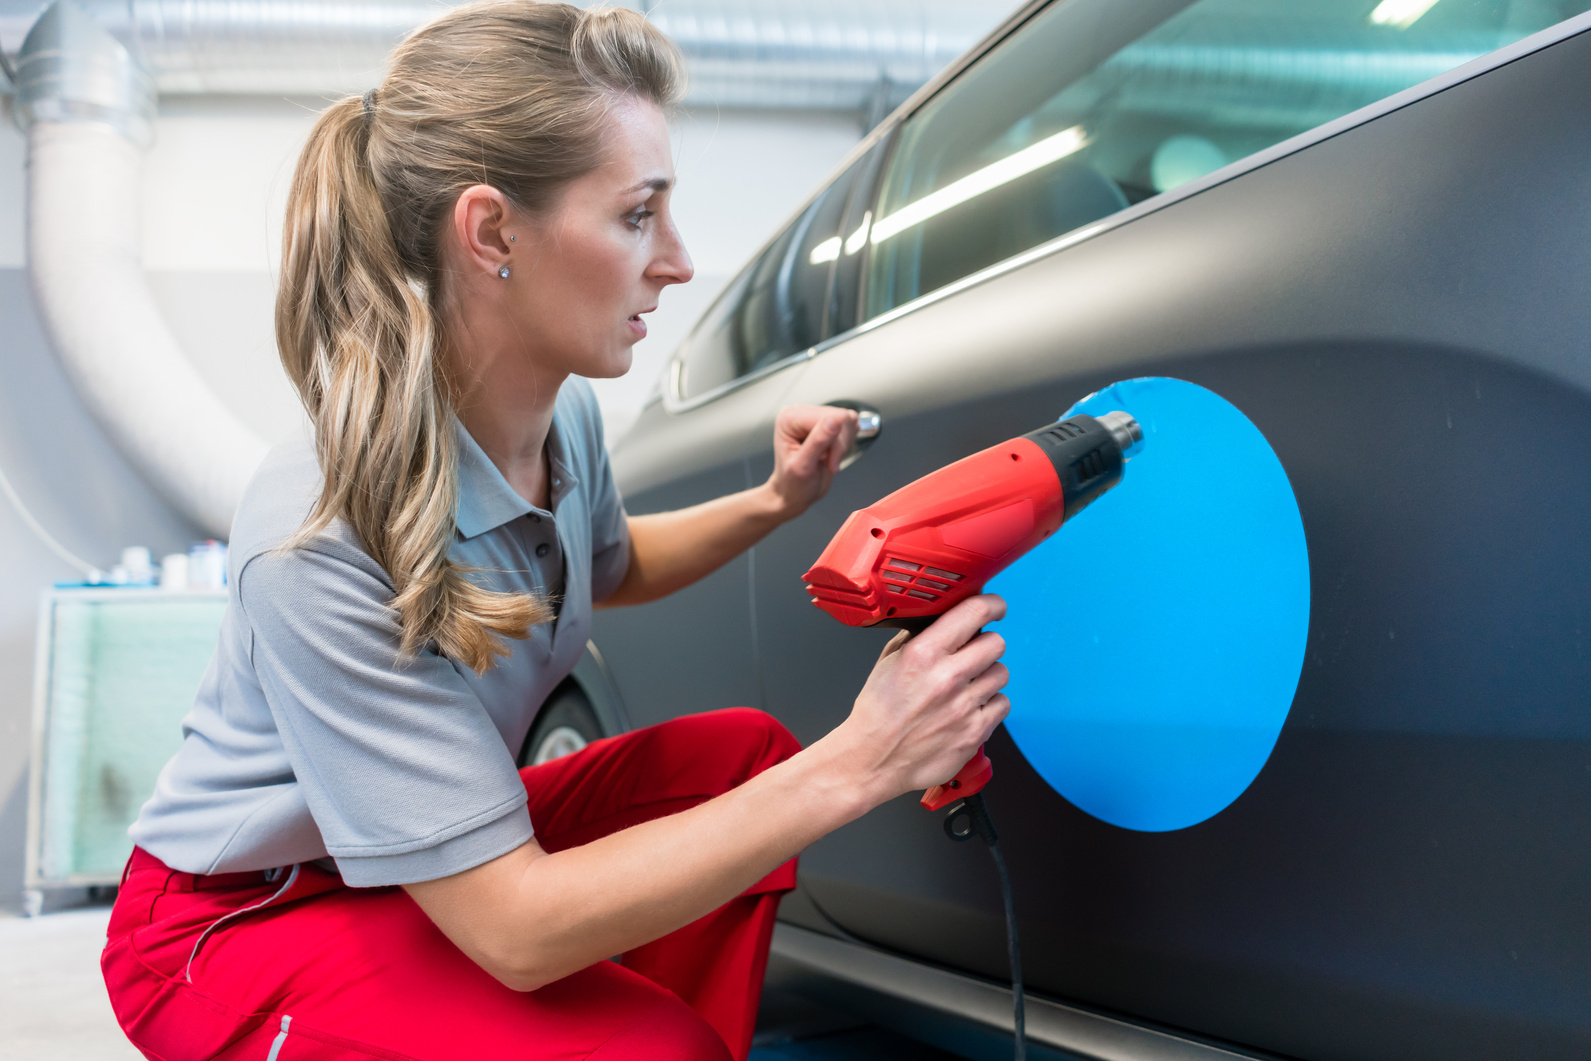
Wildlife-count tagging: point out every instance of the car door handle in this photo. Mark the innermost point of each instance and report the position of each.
(869, 424)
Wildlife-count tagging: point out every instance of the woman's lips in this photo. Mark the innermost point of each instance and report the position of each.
(637, 325)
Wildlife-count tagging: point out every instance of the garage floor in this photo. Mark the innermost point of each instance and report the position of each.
(53, 1005)
(867, 1044)
(793, 1028)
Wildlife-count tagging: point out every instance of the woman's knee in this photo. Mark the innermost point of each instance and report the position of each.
(670, 1032)
(754, 737)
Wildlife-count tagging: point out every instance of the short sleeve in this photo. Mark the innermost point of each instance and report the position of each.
(399, 762)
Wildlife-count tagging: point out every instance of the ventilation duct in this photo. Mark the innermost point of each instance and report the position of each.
(86, 79)
(743, 53)
(87, 107)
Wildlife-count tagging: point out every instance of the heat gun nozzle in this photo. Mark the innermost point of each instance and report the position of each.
(1128, 432)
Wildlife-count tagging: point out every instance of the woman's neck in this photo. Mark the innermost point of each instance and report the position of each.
(505, 401)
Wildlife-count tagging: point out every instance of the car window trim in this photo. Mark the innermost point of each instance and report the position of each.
(671, 392)
(1481, 64)
(672, 403)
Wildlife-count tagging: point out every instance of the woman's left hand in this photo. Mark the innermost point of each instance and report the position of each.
(670, 550)
(809, 441)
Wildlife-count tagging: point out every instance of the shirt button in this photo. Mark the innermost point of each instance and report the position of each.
(535, 518)
(543, 549)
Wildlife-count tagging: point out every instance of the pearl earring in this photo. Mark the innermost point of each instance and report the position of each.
(512, 238)
(503, 272)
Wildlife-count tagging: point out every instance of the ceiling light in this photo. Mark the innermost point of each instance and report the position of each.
(855, 240)
(1400, 13)
(1051, 149)
(827, 251)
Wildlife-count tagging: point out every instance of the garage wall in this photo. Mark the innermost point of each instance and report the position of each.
(214, 187)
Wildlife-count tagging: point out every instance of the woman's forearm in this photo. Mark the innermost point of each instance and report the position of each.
(670, 550)
(530, 917)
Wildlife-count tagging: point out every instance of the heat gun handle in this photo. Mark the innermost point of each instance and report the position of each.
(969, 780)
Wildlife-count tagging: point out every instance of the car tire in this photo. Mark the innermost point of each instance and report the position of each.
(567, 722)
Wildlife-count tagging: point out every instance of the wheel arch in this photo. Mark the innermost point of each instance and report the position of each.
(592, 678)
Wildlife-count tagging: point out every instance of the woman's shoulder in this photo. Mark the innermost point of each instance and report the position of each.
(278, 500)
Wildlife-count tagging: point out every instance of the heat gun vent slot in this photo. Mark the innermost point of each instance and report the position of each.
(1089, 466)
(922, 586)
(1064, 432)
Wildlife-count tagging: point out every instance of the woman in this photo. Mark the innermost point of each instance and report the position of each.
(341, 861)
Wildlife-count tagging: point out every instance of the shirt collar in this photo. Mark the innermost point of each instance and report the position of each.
(486, 501)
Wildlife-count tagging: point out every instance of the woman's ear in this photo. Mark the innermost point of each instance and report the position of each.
(480, 217)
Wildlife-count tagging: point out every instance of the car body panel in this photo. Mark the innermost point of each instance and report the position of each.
(1401, 309)
(666, 665)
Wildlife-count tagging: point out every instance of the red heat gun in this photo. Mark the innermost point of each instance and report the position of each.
(912, 555)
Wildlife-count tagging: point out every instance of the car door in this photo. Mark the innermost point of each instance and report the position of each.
(1387, 298)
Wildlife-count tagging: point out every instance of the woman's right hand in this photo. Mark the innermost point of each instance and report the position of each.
(529, 917)
(930, 702)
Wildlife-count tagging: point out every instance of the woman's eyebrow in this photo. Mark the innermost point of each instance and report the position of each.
(656, 184)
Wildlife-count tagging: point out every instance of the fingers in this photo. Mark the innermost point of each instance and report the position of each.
(954, 629)
(844, 438)
(989, 682)
(931, 699)
(895, 644)
(979, 654)
(819, 440)
(992, 714)
(828, 429)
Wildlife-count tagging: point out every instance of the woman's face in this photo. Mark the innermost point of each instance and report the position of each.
(583, 274)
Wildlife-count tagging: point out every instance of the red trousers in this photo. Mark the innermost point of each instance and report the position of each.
(321, 971)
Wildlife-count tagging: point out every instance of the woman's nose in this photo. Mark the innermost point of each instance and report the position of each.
(673, 265)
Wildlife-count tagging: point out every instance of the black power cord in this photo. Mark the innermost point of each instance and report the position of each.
(967, 819)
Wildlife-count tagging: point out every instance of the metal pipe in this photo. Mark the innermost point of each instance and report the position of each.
(86, 81)
(742, 53)
(87, 106)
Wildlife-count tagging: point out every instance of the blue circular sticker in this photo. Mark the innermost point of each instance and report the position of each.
(1155, 641)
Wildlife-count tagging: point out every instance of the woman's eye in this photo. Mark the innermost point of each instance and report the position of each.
(639, 216)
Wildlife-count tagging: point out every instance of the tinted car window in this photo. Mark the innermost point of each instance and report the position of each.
(1083, 112)
(849, 250)
(776, 307)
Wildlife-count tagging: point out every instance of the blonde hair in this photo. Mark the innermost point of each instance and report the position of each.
(509, 93)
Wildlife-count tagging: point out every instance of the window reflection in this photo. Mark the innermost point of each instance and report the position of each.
(1079, 115)
(775, 308)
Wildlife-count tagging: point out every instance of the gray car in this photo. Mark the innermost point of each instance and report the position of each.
(1365, 225)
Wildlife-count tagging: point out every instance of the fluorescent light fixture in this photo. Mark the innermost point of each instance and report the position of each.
(855, 240)
(827, 251)
(1400, 13)
(1050, 149)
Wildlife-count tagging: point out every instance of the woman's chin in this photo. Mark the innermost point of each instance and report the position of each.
(610, 366)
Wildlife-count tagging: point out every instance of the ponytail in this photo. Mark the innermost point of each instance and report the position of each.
(511, 93)
(358, 338)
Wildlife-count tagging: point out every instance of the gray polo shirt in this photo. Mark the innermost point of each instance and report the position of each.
(309, 738)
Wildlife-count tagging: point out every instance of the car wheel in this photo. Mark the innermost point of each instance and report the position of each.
(566, 724)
